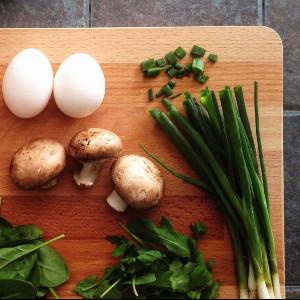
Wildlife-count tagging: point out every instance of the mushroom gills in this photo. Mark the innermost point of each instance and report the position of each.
(88, 174)
(116, 202)
(50, 184)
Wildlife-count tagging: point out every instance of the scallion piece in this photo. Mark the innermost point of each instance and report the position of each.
(172, 72)
(198, 65)
(172, 83)
(171, 58)
(178, 66)
(166, 90)
(158, 94)
(148, 64)
(202, 78)
(153, 72)
(180, 73)
(150, 95)
(198, 51)
(160, 62)
(180, 52)
(213, 57)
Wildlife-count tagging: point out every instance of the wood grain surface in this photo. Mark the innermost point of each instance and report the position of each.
(245, 54)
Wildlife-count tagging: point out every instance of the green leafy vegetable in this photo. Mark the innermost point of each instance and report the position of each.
(158, 262)
(27, 262)
(16, 289)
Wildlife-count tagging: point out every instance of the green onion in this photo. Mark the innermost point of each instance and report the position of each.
(216, 141)
(172, 72)
(172, 83)
(153, 72)
(148, 64)
(198, 66)
(150, 95)
(213, 57)
(160, 62)
(166, 90)
(202, 78)
(198, 51)
(180, 52)
(178, 66)
(180, 73)
(171, 58)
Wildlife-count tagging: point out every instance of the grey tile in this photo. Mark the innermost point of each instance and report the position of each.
(284, 17)
(174, 12)
(44, 13)
(293, 292)
(292, 192)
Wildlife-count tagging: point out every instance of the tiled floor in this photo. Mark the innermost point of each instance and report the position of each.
(282, 15)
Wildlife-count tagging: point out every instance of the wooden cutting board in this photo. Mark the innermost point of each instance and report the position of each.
(245, 54)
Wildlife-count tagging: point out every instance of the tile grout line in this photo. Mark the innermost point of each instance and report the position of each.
(90, 13)
(264, 12)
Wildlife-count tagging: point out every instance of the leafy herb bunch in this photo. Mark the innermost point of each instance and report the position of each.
(157, 262)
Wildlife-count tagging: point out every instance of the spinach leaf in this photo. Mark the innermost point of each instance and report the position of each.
(16, 289)
(34, 277)
(17, 262)
(42, 292)
(19, 235)
(53, 269)
(164, 235)
(4, 223)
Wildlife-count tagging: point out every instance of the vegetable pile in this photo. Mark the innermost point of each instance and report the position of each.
(29, 268)
(157, 262)
(218, 143)
(173, 68)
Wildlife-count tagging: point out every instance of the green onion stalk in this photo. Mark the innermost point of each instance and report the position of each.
(217, 141)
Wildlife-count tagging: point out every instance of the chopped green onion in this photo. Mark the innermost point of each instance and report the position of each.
(198, 51)
(153, 72)
(175, 96)
(171, 58)
(213, 57)
(150, 95)
(180, 73)
(180, 52)
(202, 78)
(166, 90)
(188, 67)
(198, 65)
(178, 66)
(172, 83)
(172, 72)
(148, 64)
(161, 62)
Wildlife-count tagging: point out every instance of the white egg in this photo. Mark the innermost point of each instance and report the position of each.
(27, 83)
(79, 86)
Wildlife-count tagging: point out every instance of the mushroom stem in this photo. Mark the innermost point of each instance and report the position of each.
(116, 202)
(50, 184)
(87, 176)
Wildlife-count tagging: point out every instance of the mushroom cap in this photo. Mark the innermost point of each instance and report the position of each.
(93, 144)
(37, 163)
(138, 181)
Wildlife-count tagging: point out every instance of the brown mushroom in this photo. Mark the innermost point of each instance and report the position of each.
(38, 164)
(137, 182)
(91, 148)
